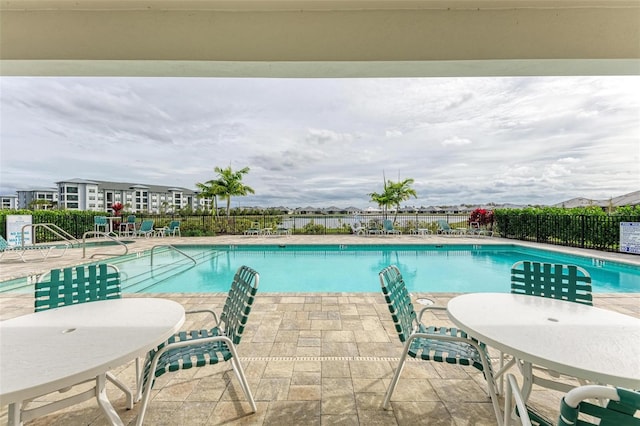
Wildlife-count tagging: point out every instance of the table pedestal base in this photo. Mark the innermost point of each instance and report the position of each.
(18, 416)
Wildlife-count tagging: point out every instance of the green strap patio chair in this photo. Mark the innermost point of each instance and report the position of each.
(173, 228)
(557, 281)
(387, 227)
(81, 284)
(197, 348)
(430, 343)
(45, 250)
(444, 228)
(100, 224)
(77, 285)
(254, 229)
(617, 407)
(145, 230)
(128, 227)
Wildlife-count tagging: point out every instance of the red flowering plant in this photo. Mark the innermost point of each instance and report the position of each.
(117, 208)
(483, 217)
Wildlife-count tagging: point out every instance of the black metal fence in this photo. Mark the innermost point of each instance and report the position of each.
(208, 225)
(584, 231)
(307, 224)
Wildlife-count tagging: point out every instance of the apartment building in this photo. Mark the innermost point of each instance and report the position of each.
(82, 194)
(38, 198)
(8, 202)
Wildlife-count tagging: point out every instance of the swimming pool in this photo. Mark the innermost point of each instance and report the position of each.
(339, 268)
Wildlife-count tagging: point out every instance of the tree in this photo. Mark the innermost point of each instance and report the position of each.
(393, 194)
(210, 189)
(383, 200)
(41, 204)
(228, 184)
(401, 191)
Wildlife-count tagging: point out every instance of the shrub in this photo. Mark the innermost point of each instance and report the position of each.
(482, 216)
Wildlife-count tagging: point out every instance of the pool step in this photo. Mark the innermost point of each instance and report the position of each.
(167, 264)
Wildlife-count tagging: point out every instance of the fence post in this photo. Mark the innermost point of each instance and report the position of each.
(582, 219)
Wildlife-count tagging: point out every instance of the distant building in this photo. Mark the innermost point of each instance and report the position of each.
(38, 199)
(630, 199)
(8, 202)
(94, 195)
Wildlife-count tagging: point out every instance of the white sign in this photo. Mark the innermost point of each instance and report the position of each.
(14, 229)
(630, 237)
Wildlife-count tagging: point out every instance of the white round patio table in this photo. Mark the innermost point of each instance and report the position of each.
(53, 349)
(582, 341)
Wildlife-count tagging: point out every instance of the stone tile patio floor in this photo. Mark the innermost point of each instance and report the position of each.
(310, 359)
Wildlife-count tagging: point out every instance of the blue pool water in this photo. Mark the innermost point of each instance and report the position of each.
(312, 268)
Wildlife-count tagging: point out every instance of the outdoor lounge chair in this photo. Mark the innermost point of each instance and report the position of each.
(557, 281)
(145, 230)
(254, 229)
(358, 229)
(44, 250)
(444, 228)
(173, 229)
(81, 284)
(475, 229)
(282, 230)
(430, 343)
(387, 227)
(198, 348)
(621, 409)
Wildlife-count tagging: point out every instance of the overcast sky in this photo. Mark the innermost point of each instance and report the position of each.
(327, 142)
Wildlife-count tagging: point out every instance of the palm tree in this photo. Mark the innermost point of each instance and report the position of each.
(393, 194)
(229, 184)
(383, 200)
(210, 189)
(401, 191)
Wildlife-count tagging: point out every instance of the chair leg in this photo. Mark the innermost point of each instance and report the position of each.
(237, 369)
(491, 385)
(146, 392)
(396, 377)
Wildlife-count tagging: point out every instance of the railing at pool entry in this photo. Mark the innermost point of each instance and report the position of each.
(170, 247)
(103, 234)
(51, 227)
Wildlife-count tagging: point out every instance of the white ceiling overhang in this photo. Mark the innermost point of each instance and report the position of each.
(319, 38)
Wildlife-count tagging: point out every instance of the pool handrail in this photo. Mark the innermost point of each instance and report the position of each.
(170, 247)
(106, 235)
(51, 227)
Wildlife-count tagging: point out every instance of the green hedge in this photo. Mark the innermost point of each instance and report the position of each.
(74, 222)
(586, 227)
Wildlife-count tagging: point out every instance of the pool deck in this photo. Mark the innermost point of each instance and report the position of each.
(312, 359)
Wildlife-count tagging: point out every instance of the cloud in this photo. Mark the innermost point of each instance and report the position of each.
(456, 141)
(328, 141)
(393, 133)
(324, 136)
